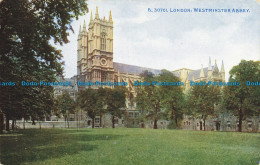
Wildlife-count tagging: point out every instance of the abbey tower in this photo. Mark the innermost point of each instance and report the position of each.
(95, 49)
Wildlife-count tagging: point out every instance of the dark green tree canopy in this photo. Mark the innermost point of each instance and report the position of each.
(244, 100)
(26, 54)
(156, 102)
(92, 101)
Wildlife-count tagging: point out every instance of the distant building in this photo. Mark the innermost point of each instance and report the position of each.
(71, 89)
(210, 73)
(95, 63)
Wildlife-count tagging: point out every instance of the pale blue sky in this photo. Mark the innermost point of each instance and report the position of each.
(175, 40)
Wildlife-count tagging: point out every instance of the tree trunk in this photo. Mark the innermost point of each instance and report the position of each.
(40, 124)
(23, 123)
(176, 122)
(113, 121)
(155, 120)
(155, 124)
(13, 124)
(100, 121)
(68, 122)
(240, 120)
(171, 115)
(204, 124)
(7, 123)
(77, 120)
(1, 123)
(65, 121)
(93, 122)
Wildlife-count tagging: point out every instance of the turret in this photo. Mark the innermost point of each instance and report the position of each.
(91, 17)
(82, 49)
(209, 73)
(79, 56)
(222, 71)
(79, 31)
(96, 15)
(118, 75)
(222, 67)
(216, 66)
(209, 67)
(216, 75)
(110, 16)
(202, 74)
(84, 27)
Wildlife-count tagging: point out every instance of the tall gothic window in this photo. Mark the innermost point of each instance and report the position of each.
(103, 42)
(103, 77)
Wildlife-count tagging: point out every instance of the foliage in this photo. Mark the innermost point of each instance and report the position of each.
(103, 100)
(66, 105)
(115, 101)
(92, 101)
(202, 101)
(172, 98)
(160, 101)
(26, 28)
(243, 100)
(148, 99)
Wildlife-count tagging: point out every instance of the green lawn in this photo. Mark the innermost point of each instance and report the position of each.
(128, 146)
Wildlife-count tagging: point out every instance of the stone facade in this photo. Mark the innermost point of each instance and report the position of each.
(224, 122)
(95, 63)
(210, 73)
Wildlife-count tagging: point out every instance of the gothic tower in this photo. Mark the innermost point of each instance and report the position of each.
(82, 50)
(222, 72)
(209, 70)
(95, 50)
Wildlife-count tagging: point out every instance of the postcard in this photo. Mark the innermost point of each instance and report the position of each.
(130, 82)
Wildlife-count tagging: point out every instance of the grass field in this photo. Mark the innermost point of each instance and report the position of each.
(128, 146)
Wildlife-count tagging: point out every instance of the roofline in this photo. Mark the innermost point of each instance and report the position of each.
(138, 66)
(183, 68)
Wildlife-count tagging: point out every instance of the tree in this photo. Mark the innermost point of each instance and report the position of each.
(162, 100)
(149, 99)
(243, 100)
(115, 102)
(67, 105)
(172, 97)
(92, 101)
(202, 101)
(26, 27)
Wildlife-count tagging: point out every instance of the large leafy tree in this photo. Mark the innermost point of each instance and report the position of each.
(172, 97)
(202, 100)
(115, 102)
(92, 101)
(26, 28)
(244, 99)
(157, 101)
(66, 105)
(149, 99)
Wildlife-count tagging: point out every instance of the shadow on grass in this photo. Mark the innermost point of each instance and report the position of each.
(39, 145)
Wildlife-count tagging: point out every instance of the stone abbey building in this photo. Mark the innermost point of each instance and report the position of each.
(95, 63)
(95, 59)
